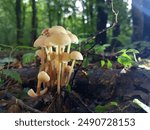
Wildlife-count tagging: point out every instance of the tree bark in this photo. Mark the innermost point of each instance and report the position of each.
(19, 22)
(91, 12)
(102, 16)
(146, 29)
(137, 18)
(34, 21)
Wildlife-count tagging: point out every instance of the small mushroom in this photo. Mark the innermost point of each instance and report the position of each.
(39, 42)
(64, 58)
(75, 55)
(67, 69)
(31, 92)
(43, 77)
(73, 38)
(41, 54)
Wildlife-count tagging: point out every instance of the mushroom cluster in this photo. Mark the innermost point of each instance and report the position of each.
(57, 62)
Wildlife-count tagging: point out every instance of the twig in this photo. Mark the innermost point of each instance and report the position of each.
(22, 104)
(52, 103)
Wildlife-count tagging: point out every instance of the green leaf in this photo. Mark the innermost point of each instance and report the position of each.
(109, 64)
(100, 48)
(133, 51)
(68, 88)
(12, 74)
(85, 62)
(126, 55)
(28, 58)
(106, 107)
(102, 63)
(122, 51)
(126, 61)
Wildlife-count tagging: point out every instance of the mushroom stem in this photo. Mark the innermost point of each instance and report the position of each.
(68, 49)
(59, 71)
(38, 87)
(42, 60)
(50, 49)
(70, 72)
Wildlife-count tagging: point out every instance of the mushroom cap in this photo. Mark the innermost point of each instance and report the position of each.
(65, 57)
(73, 38)
(68, 32)
(76, 55)
(55, 29)
(40, 53)
(59, 39)
(47, 43)
(43, 76)
(39, 42)
(31, 93)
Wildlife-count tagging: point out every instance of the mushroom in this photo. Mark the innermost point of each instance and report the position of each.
(73, 38)
(43, 77)
(64, 58)
(66, 74)
(39, 42)
(75, 55)
(59, 40)
(41, 54)
(31, 92)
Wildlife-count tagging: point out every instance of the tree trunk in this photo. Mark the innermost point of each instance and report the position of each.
(146, 29)
(49, 13)
(102, 16)
(19, 21)
(137, 18)
(34, 21)
(91, 12)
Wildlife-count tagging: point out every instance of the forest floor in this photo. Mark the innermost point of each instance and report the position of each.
(93, 90)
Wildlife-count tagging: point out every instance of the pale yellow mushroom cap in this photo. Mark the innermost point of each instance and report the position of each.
(59, 39)
(47, 43)
(40, 53)
(73, 38)
(43, 76)
(68, 32)
(55, 29)
(76, 55)
(40, 41)
(65, 57)
(31, 93)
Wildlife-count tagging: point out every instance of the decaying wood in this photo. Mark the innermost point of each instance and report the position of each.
(105, 84)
